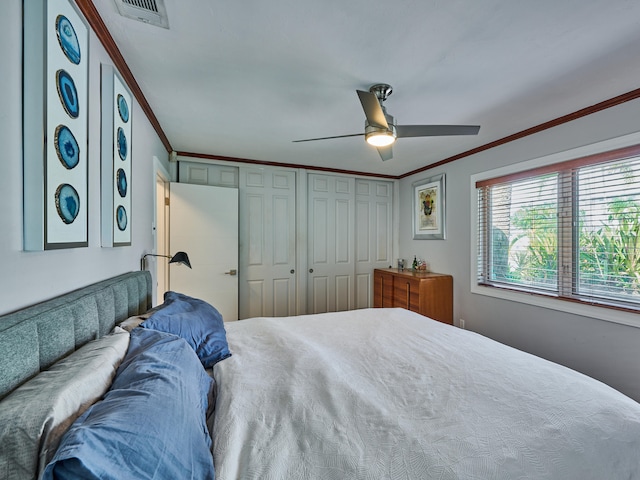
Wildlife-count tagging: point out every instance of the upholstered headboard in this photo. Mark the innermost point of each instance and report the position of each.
(34, 338)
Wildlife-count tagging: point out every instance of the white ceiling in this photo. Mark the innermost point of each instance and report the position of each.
(245, 78)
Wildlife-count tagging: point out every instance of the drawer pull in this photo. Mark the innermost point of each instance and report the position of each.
(408, 295)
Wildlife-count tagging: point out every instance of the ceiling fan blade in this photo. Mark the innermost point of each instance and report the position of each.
(328, 138)
(386, 153)
(404, 131)
(372, 109)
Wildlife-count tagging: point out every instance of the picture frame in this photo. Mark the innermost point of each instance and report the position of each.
(55, 126)
(116, 161)
(429, 216)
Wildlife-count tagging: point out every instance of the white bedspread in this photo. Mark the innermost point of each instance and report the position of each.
(389, 394)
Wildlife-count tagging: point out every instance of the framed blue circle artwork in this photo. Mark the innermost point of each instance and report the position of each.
(121, 181)
(121, 218)
(67, 203)
(66, 147)
(68, 39)
(122, 144)
(67, 93)
(123, 108)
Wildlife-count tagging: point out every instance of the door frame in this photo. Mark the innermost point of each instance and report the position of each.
(160, 228)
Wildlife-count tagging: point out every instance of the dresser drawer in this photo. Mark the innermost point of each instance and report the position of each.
(429, 294)
(406, 294)
(383, 290)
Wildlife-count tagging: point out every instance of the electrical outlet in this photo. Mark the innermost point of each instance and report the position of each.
(461, 323)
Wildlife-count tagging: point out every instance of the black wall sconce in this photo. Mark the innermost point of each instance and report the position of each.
(180, 258)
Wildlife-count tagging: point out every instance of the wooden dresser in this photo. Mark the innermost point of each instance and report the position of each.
(429, 294)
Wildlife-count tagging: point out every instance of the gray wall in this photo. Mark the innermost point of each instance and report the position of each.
(607, 351)
(29, 277)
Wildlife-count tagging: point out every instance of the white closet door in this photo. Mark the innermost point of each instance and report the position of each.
(204, 223)
(268, 247)
(373, 235)
(330, 216)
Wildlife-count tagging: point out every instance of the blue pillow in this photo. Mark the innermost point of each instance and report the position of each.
(199, 323)
(150, 424)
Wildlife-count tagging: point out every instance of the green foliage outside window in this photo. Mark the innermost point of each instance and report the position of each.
(609, 256)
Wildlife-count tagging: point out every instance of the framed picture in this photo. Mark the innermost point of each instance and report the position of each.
(429, 208)
(116, 159)
(55, 125)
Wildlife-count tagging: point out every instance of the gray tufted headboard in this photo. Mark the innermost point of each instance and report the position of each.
(34, 338)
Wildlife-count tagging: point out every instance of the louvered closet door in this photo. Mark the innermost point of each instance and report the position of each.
(268, 242)
(330, 217)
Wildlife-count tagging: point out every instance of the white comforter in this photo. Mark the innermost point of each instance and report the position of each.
(389, 394)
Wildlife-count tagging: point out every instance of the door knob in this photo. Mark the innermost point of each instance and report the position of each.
(231, 272)
(292, 271)
(311, 270)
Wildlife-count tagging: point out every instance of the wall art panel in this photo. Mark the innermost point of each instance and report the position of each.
(116, 159)
(55, 129)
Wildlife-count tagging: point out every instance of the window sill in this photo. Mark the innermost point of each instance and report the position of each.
(600, 312)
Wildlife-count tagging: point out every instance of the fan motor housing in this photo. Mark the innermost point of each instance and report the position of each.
(371, 131)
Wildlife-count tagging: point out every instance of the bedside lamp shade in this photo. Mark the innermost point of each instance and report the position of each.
(179, 257)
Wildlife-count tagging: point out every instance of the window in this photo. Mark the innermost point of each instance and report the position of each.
(569, 230)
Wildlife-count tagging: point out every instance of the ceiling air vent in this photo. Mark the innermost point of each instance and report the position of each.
(152, 12)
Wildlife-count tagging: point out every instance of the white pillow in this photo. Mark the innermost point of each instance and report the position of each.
(135, 320)
(35, 415)
(132, 322)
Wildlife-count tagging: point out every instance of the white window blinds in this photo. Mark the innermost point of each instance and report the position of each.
(569, 230)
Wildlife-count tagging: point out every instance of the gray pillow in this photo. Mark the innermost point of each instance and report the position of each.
(35, 415)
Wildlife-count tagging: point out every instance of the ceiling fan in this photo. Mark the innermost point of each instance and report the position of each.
(380, 129)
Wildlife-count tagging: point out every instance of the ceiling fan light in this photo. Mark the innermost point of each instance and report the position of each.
(380, 139)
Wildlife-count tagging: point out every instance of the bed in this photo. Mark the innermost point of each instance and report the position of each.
(367, 394)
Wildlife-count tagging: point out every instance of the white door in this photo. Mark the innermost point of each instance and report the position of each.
(373, 235)
(330, 214)
(204, 224)
(268, 246)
